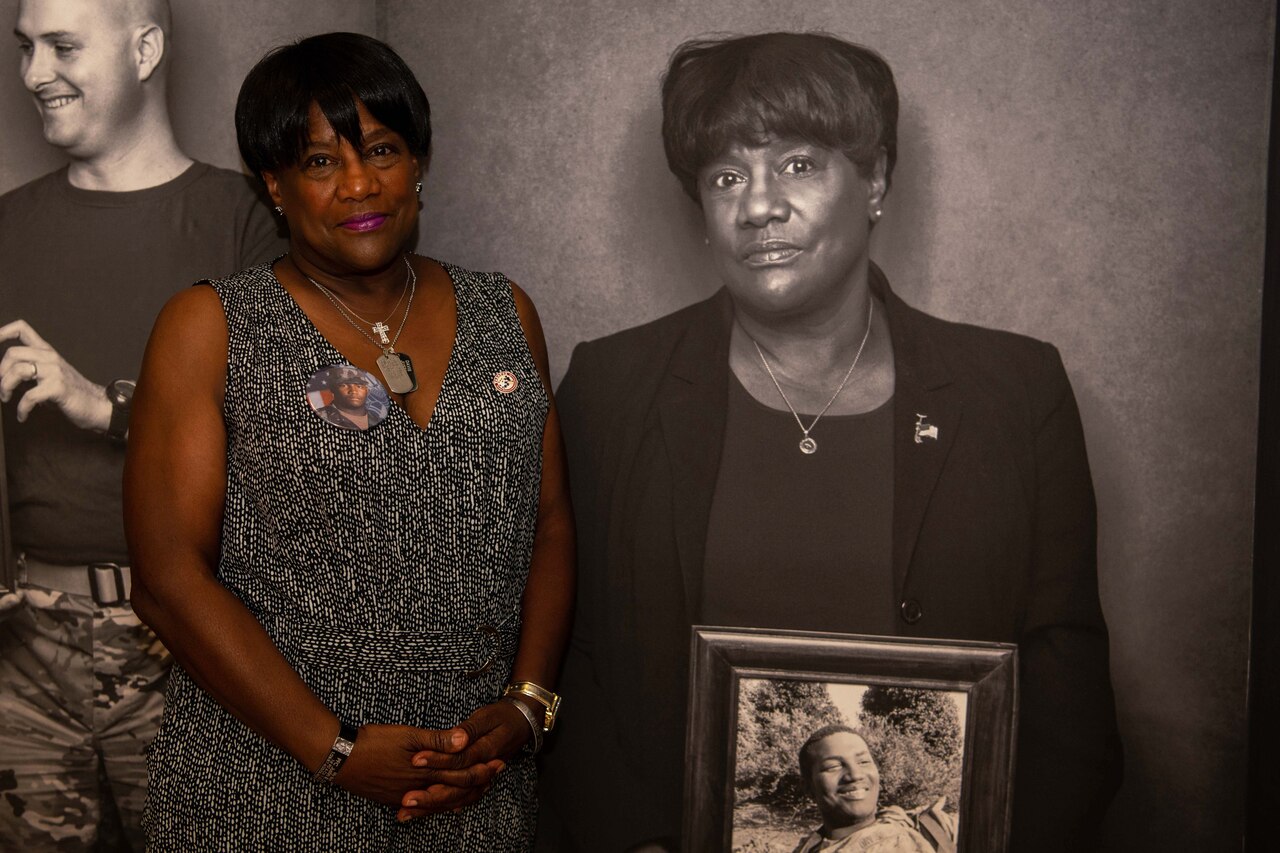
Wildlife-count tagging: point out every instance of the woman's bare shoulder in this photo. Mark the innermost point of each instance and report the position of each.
(191, 332)
(195, 310)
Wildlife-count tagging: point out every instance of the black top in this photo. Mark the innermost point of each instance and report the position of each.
(90, 270)
(801, 541)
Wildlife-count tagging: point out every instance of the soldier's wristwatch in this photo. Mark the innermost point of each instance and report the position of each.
(120, 393)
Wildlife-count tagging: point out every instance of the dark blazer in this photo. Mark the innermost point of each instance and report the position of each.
(994, 538)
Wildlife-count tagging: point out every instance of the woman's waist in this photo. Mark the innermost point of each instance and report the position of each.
(374, 585)
(468, 646)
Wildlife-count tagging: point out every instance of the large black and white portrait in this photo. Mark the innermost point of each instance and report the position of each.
(1094, 180)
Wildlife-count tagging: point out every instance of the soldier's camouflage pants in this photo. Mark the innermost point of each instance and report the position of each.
(81, 692)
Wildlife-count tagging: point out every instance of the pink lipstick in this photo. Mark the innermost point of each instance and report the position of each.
(364, 221)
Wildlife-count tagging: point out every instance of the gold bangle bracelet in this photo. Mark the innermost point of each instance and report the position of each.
(544, 697)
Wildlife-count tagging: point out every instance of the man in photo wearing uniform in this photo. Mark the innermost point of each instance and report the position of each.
(349, 408)
(88, 255)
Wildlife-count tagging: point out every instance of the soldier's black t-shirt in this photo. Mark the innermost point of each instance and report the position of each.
(90, 271)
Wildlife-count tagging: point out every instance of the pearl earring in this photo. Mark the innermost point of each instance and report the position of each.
(279, 210)
(417, 188)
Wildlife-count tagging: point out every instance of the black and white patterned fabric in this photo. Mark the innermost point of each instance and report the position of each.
(388, 565)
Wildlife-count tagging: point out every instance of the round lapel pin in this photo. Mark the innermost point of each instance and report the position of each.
(505, 382)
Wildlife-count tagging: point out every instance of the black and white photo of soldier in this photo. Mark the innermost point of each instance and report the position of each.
(88, 255)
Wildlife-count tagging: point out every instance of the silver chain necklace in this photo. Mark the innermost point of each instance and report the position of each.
(807, 444)
(379, 327)
(396, 367)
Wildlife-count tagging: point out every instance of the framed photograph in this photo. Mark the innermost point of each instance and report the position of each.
(8, 568)
(908, 744)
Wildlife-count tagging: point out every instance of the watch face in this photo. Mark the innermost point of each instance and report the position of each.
(121, 391)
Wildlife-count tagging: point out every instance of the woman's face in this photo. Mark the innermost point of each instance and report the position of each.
(787, 223)
(349, 211)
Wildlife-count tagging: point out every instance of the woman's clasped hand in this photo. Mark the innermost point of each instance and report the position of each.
(454, 768)
(419, 771)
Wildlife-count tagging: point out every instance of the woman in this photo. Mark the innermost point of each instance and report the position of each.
(804, 450)
(354, 535)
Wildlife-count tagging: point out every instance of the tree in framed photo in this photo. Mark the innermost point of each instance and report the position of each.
(774, 719)
(919, 742)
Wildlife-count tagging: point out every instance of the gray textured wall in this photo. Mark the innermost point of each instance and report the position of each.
(1088, 173)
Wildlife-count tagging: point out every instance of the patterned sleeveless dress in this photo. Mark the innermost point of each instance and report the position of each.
(388, 566)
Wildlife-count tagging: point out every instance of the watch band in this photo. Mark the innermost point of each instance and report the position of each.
(342, 746)
(120, 393)
(541, 695)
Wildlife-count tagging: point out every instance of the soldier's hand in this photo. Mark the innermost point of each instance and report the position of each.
(9, 602)
(53, 380)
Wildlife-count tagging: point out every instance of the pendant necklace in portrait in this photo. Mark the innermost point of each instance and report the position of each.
(396, 367)
(807, 444)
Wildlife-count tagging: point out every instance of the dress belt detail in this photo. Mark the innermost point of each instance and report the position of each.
(473, 651)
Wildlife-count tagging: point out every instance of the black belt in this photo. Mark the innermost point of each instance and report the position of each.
(108, 584)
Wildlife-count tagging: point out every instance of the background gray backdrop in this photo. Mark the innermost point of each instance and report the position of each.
(1091, 174)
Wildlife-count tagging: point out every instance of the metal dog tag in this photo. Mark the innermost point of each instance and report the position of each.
(397, 372)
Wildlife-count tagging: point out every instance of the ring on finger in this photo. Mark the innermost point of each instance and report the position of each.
(35, 370)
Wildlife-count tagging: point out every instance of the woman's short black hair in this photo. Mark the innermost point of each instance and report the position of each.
(334, 71)
(749, 89)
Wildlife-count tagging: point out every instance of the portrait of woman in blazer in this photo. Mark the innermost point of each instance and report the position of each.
(804, 450)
